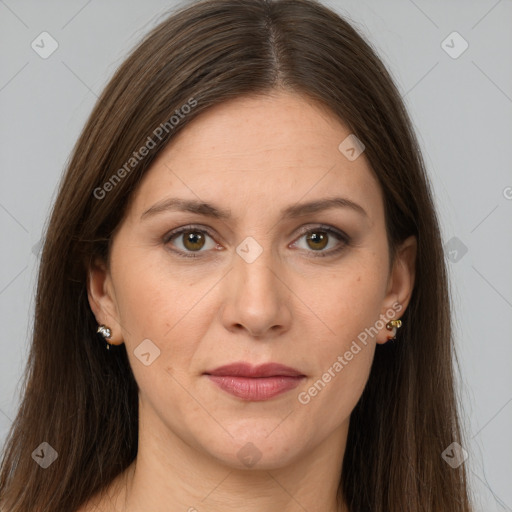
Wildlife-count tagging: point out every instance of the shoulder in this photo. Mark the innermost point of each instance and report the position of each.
(88, 507)
(110, 497)
(104, 500)
(93, 504)
(97, 504)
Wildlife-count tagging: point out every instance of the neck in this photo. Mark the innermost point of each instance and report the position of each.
(190, 480)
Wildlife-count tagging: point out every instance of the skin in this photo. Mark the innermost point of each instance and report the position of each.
(254, 156)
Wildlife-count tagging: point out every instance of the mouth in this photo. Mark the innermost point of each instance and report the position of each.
(255, 383)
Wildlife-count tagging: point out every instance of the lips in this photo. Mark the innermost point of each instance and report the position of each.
(247, 370)
(255, 383)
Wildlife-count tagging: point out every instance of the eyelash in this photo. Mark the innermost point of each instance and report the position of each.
(320, 254)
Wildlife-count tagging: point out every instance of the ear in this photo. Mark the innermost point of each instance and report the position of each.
(100, 293)
(400, 286)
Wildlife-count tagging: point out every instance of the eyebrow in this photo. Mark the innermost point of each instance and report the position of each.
(210, 210)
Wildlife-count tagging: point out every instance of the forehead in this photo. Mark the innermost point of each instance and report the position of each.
(260, 151)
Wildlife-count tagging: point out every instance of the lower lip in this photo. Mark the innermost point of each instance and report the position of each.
(255, 389)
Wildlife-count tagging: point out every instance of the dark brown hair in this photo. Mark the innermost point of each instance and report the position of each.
(83, 400)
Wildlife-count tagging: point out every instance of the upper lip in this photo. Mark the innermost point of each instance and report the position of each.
(243, 369)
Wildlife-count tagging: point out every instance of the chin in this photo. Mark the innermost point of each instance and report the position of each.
(254, 448)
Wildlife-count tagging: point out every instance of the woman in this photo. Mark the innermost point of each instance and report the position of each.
(246, 225)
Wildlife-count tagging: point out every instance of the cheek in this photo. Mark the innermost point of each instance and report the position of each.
(348, 300)
(155, 304)
(348, 303)
(343, 359)
(151, 293)
(349, 310)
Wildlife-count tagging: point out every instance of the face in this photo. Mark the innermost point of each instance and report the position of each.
(254, 277)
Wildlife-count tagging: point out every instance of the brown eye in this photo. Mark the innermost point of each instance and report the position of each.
(322, 241)
(190, 240)
(317, 240)
(193, 240)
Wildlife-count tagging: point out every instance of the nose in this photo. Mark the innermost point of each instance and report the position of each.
(256, 298)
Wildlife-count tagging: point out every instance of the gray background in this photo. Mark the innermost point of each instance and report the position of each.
(461, 108)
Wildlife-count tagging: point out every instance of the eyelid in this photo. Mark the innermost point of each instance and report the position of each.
(183, 229)
(324, 227)
(343, 237)
(189, 227)
(330, 230)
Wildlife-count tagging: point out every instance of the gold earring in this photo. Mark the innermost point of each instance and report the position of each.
(393, 325)
(106, 332)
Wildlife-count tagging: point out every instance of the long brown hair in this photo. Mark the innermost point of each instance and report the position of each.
(83, 400)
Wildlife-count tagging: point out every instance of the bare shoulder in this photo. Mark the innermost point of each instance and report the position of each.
(95, 504)
(99, 505)
(105, 501)
(111, 498)
(88, 507)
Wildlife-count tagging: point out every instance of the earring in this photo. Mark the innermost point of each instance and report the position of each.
(106, 332)
(393, 325)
